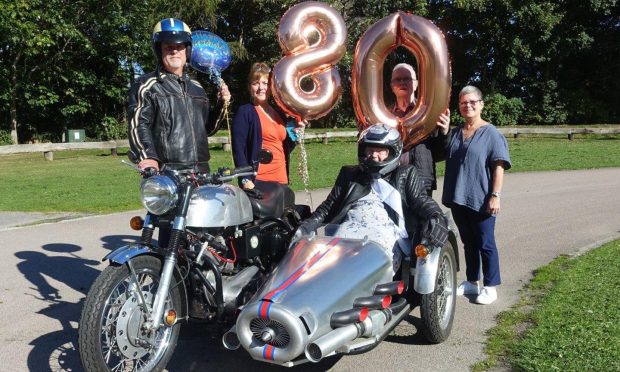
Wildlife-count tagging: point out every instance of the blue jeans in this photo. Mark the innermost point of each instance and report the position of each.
(477, 232)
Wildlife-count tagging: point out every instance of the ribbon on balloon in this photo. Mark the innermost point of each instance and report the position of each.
(211, 55)
(305, 83)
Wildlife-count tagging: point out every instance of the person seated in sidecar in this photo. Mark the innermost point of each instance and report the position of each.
(381, 199)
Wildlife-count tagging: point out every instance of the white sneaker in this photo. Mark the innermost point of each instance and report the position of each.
(467, 288)
(487, 295)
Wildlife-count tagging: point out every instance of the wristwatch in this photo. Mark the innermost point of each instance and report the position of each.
(496, 194)
(245, 181)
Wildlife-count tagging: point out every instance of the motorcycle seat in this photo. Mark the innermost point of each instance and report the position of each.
(276, 197)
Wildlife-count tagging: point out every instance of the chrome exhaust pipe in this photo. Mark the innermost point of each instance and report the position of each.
(230, 339)
(324, 346)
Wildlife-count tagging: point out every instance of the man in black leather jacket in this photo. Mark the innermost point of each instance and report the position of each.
(423, 218)
(169, 114)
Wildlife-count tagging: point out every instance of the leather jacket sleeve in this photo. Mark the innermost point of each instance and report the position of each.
(422, 211)
(140, 111)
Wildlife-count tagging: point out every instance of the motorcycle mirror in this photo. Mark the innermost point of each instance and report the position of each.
(265, 156)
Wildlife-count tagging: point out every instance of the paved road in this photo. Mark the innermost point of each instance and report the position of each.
(48, 268)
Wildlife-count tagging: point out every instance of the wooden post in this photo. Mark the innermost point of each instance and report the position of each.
(227, 147)
(114, 151)
(48, 155)
(516, 135)
(570, 136)
(325, 140)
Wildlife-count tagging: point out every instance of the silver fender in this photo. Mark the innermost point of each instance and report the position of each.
(125, 253)
(426, 272)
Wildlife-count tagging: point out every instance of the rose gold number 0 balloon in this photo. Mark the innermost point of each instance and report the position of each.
(300, 25)
(428, 45)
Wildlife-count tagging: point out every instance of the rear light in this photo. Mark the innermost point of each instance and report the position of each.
(136, 223)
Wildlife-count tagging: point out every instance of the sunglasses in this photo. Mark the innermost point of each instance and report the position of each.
(262, 68)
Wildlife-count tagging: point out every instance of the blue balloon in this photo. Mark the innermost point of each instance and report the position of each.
(210, 54)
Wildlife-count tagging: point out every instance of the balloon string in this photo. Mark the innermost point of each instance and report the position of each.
(224, 114)
(227, 118)
(302, 168)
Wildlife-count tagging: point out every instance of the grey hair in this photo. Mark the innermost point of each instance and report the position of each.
(470, 89)
(405, 66)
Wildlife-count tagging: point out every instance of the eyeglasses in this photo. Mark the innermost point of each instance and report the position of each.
(262, 68)
(402, 80)
(471, 103)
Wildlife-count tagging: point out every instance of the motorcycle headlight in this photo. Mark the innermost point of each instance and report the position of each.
(159, 194)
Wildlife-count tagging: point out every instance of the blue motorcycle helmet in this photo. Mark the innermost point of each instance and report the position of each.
(171, 30)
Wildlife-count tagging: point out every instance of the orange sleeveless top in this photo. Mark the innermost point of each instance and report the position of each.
(274, 134)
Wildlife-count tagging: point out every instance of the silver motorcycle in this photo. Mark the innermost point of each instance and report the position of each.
(215, 249)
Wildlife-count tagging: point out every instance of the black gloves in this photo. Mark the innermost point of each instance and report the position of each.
(305, 228)
(436, 231)
(254, 193)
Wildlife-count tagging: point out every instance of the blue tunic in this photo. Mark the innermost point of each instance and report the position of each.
(469, 163)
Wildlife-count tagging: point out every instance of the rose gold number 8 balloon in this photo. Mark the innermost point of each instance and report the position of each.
(305, 59)
(429, 47)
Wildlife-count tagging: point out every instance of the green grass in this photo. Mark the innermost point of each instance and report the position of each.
(93, 181)
(568, 318)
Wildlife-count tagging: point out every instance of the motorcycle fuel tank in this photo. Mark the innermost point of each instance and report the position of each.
(218, 206)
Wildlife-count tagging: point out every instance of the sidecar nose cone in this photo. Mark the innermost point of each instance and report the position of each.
(268, 335)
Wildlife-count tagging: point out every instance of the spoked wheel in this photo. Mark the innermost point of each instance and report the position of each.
(112, 336)
(437, 308)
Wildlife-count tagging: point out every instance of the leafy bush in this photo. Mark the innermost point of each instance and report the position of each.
(5, 138)
(500, 110)
(111, 129)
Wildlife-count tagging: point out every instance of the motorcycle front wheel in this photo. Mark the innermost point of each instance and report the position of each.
(111, 332)
(437, 308)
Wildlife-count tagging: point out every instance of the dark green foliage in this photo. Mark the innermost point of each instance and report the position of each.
(68, 64)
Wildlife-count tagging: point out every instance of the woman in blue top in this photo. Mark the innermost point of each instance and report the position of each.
(477, 156)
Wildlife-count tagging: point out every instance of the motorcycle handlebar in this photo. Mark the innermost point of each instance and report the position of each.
(222, 175)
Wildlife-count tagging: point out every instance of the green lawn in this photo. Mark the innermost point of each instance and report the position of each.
(93, 181)
(567, 320)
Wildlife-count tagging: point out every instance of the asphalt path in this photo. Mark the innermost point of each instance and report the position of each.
(48, 268)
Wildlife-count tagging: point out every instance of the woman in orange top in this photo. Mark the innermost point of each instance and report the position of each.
(258, 125)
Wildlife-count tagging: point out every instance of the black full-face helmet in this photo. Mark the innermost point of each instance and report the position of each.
(171, 30)
(380, 135)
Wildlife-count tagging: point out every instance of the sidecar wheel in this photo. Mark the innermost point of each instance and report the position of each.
(437, 308)
(110, 334)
